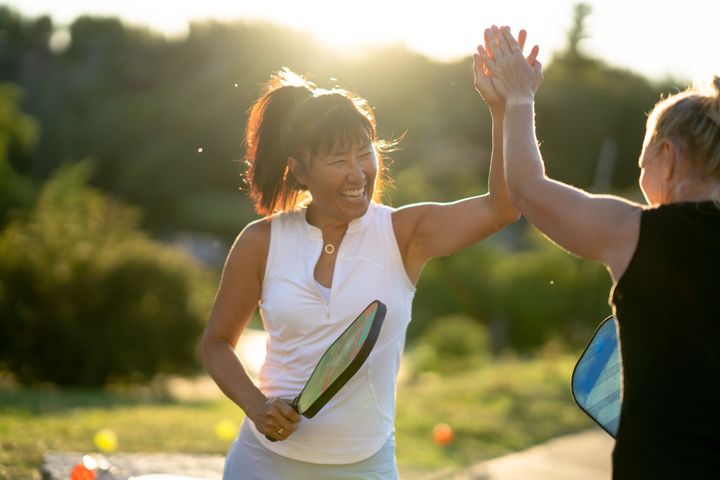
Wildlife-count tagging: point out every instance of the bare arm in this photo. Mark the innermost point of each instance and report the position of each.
(599, 227)
(428, 230)
(237, 297)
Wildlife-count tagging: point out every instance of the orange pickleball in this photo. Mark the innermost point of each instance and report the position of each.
(80, 472)
(443, 434)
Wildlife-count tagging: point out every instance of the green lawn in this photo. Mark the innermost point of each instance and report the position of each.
(510, 406)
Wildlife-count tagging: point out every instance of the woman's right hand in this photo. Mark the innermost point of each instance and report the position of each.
(514, 77)
(483, 81)
(276, 418)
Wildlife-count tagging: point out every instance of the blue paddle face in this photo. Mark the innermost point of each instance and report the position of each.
(597, 378)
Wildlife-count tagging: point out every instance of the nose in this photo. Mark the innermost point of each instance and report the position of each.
(356, 173)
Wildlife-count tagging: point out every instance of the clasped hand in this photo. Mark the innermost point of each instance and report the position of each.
(502, 74)
(276, 418)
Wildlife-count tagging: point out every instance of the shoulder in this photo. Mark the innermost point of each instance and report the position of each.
(657, 218)
(408, 214)
(250, 249)
(405, 219)
(381, 210)
(255, 235)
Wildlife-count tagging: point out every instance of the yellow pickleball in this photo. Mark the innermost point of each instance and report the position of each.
(226, 429)
(106, 440)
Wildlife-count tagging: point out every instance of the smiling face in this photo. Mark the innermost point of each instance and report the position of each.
(341, 182)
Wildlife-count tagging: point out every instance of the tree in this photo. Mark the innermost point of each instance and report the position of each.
(18, 137)
(86, 298)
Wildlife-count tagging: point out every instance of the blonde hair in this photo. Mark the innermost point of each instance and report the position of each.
(691, 120)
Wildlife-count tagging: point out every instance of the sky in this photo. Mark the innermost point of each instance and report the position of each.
(655, 38)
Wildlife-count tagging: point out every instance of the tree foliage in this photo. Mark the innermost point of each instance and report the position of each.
(163, 119)
(86, 298)
(18, 136)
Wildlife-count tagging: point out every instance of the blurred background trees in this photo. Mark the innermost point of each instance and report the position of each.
(108, 131)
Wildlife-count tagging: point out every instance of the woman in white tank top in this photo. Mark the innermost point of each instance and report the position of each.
(325, 248)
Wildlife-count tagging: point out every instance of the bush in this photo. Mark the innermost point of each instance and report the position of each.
(546, 294)
(526, 297)
(86, 298)
(18, 136)
(451, 344)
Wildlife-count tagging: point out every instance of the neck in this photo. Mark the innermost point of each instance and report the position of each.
(694, 191)
(330, 226)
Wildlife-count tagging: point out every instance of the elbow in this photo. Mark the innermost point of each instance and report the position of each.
(511, 215)
(506, 212)
(207, 345)
(516, 201)
(212, 347)
(514, 191)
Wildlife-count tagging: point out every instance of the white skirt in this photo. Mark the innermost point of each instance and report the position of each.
(247, 459)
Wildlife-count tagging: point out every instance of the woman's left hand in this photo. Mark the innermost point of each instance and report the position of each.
(483, 80)
(514, 77)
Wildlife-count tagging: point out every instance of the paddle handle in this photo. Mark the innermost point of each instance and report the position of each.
(294, 404)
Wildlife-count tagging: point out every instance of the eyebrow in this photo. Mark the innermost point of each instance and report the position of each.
(362, 148)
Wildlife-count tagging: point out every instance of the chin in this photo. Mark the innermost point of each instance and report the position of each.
(356, 210)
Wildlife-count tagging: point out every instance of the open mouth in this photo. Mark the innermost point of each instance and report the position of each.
(353, 194)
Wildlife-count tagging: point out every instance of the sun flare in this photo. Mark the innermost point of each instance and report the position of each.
(446, 30)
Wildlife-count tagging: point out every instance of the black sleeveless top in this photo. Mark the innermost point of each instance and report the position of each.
(668, 307)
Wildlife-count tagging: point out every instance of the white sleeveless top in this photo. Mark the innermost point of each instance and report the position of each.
(301, 325)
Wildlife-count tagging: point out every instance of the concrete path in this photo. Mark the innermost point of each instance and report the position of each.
(581, 456)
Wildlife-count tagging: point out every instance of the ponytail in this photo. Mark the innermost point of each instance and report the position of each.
(270, 185)
(295, 118)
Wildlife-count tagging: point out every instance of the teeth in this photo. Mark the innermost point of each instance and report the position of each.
(353, 193)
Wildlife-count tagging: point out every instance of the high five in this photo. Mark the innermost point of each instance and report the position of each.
(664, 258)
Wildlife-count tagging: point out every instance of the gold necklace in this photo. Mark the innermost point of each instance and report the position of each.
(329, 248)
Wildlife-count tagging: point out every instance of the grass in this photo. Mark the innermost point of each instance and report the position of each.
(510, 405)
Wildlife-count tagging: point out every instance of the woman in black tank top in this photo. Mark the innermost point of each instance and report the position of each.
(664, 258)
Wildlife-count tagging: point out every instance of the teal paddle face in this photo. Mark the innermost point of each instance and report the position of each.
(341, 360)
(597, 378)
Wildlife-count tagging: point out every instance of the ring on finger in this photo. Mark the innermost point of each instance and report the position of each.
(280, 431)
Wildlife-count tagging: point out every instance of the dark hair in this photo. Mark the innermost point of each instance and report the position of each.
(294, 118)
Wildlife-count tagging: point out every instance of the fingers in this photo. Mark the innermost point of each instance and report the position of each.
(490, 42)
(537, 66)
(506, 41)
(287, 411)
(280, 419)
(503, 46)
(281, 431)
(479, 68)
(521, 39)
(488, 63)
(538, 71)
(499, 41)
(532, 57)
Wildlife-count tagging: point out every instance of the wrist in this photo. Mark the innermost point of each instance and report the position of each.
(255, 407)
(497, 111)
(521, 99)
